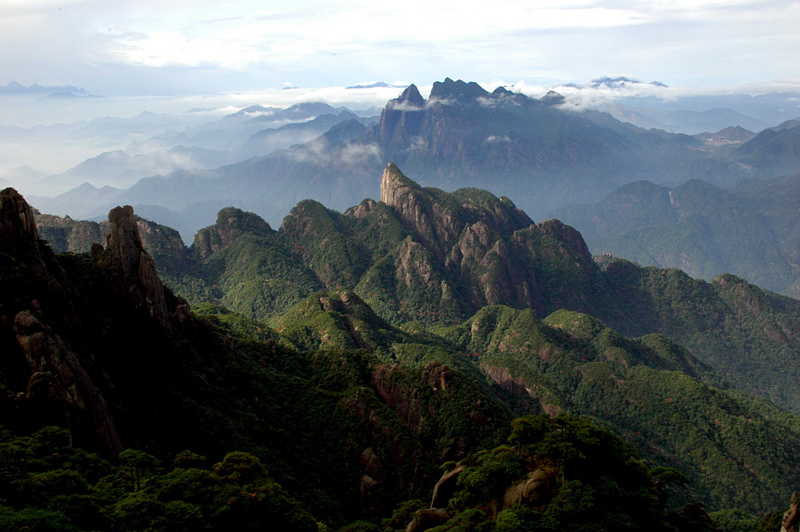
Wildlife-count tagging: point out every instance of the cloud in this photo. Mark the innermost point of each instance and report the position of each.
(180, 46)
(404, 106)
(495, 138)
(356, 154)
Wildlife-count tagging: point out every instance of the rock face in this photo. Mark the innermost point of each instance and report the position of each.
(39, 329)
(791, 519)
(59, 380)
(402, 117)
(16, 216)
(476, 240)
(446, 487)
(231, 223)
(532, 491)
(125, 255)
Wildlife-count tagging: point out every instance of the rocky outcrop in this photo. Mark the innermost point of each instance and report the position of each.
(67, 235)
(459, 91)
(42, 335)
(16, 216)
(163, 243)
(425, 519)
(519, 388)
(570, 241)
(125, 256)
(402, 117)
(433, 222)
(231, 222)
(483, 257)
(791, 519)
(390, 385)
(446, 487)
(59, 381)
(533, 491)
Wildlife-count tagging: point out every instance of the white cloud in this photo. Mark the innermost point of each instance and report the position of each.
(176, 46)
(359, 153)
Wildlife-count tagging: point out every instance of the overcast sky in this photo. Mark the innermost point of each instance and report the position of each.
(177, 47)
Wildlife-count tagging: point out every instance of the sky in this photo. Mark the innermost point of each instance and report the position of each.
(198, 47)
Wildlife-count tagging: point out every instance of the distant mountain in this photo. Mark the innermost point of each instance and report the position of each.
(267, 141)
(770, 108)
(376, 85)
(23, 173)
(682, 121)
(775, 150)
(51, 90)
(79, 202)
(621, 81)
(233, 130)
(461, 136)
(118, 169)
(730, 136)
(749, 230)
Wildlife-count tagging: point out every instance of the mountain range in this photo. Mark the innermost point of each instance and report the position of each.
(748, 230)
(490, 306)
(536, 151)
(434, 344)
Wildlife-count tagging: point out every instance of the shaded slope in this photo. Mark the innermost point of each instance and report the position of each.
(749, 230)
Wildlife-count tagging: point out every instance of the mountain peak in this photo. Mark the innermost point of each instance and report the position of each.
(552, 98)
(411, 96)
(457, 90)
(231, 222)
(125, 254)
(394, 184)
(16, 216)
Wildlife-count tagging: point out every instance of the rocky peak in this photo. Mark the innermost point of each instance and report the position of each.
(431, 217)
(552, 98)
(125, 255)
(394, 185)
(501, 92)
(16, 216)
(402, 117)
(566, 234)
(231, 222)
(459, 90)
(411, 96)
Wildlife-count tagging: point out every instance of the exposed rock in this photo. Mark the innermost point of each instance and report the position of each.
(568, 236)
(16, 216)
(518, 387)
(391, 386)
(231, 222)
(458, 90)
(394, 185)
(371, 463)
(425, 519)
(433, 222)
(438, 376)
(532, 491)
(58, 379)
(446, 487)
(82, 236)
(125, 255)
(68, 235)
(362, 210)
(402, 118)
(414, 265)
(791, 519)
